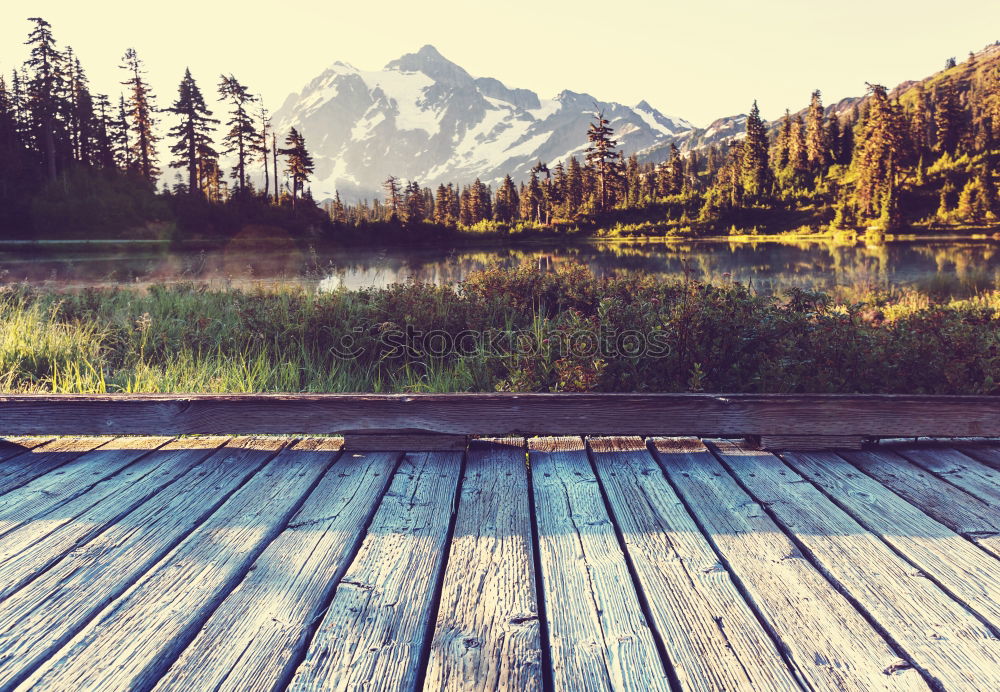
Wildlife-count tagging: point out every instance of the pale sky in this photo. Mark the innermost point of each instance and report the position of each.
(695, 60)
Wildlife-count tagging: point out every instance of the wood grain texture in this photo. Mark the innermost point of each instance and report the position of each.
(44, 613)
(11, 447)
(404, 442)
(825, 637)
(72, 479)
(776, 442)
(32, 547)
(487, 634)
(711, 635)
(32, 463)
(886, 415)
(130, 643)
(972, 476)
(967, 572)
(378, 623)
(943, 639)
(257, 634)
(958, 510)
(599, 637)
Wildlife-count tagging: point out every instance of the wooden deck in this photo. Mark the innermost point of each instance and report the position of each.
(258, 563)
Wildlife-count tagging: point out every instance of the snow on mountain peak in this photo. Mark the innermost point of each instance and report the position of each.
(423, 117)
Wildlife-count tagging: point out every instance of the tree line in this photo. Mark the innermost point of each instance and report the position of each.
(54, 128)
(925, 154)
(930, 151)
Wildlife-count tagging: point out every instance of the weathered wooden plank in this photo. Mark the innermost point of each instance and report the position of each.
(712, 637)
(958, 510)
(969, 573)
(404, 442)
(131, 643)
(378, 623)
(986, 452)
(46, 612)
(939, 635)
(30, 548)
(28, 465)
(11, 447)
(487, 631)
(598, 634)
(775, 442)
(259, 632)
(72, 479)
(972, 476)
(825, 637)
(886, 415)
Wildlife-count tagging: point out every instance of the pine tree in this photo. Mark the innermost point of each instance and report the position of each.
(414, 208)
(877, 155)
(338, 214)
(242, 137)
(602, 159)
(44, 90)
(817, 146)
(442, 206)
(298, 162)
(193, 133)
(947, 119)
(755, 172)
(121, 144)
(140, 109)
(782, 142)
(264, 118)
(531, 200)
(393, 200)
(574, 188)
(507, 206)
(104, 153)
(977, 203)
(921, 123)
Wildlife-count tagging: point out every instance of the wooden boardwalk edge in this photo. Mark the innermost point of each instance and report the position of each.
(499, 414)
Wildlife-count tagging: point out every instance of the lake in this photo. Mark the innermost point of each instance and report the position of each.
(943, 265)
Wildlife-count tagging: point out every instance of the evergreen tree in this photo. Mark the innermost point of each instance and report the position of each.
(817, 145)
(877, 155)
(531, 200)
(121, 143)
(782, 142)
(140, 108)
(242, 138)
(755, 172)
(507, 206)
(414, 207)
(298, 162)
(442, 206)
(921, 124)
(978, 202)
(602, 159)
(393, 199)
(193, 133)
(104, 153)
(947, 119)
(44, 89)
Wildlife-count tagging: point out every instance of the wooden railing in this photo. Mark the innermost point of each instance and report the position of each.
(441, 420)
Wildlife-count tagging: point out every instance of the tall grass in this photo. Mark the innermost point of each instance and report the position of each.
(719, 338)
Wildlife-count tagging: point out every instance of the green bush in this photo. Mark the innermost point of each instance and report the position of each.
(723, 338)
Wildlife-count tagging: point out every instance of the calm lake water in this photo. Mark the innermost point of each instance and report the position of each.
(953, 265)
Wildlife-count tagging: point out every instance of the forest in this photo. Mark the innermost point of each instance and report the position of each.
(76, 164)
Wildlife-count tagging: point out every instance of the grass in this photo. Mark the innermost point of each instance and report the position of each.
(543, 326)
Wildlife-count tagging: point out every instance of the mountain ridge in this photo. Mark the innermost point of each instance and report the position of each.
(423, 117)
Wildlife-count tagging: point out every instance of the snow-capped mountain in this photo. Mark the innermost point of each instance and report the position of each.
(425, 118)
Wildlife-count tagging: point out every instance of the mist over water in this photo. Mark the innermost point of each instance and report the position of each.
(943, 267)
